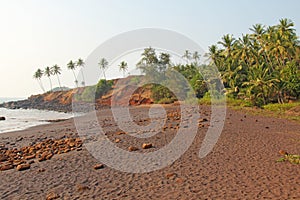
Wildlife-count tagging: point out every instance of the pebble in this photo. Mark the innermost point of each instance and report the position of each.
(147, 145)
(22, 167)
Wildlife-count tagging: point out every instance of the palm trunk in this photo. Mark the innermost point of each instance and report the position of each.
(83, 81)
(41, 85)
(50, 83)
(104, 74)
(76, 82)
(58, 81)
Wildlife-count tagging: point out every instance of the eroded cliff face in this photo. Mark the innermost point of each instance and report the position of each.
(62, 100)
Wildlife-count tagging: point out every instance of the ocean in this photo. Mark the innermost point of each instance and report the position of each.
(20, 119)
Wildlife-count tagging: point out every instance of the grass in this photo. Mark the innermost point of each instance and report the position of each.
(272, 110)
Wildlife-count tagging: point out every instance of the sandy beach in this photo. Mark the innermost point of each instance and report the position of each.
(242, 165)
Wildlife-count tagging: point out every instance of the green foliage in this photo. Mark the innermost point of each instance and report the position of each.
(88, 94)
(102, 87)
(262, 66)
(277, 107)
(162, 94)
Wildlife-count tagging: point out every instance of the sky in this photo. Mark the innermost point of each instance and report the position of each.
(39, 33)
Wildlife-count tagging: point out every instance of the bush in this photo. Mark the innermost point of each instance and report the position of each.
(160, 93)
(102, 87)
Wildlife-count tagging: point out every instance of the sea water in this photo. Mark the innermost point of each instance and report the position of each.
(19, 119)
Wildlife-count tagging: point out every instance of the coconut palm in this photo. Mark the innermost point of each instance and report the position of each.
(80, 63)
(103, 64)
(123, 67)
(57, 71)
(187, 55)
(71, 66)
(196, 57)
(48, 72)
(38, 75)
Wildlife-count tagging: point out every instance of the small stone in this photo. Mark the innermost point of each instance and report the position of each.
(179, 180)
(203, 120)
(282, 152)
(147, 145)
(120, 133)
(132, 148)
(98, 166)
(52, 196)
(3, 158)
(6, 167)
(117, 140)
(41, 170)
(171, 175)
(31, 161)
(29, 157)
(81, 188)
(23, 167)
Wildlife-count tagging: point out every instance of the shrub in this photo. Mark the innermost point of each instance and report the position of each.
(102, 87)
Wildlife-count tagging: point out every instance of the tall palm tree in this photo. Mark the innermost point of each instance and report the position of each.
(227, 42)
(57, 71)
(48, 72)
(196, 57)
(80, 63)
(103, 64)
(71, 66)
(38, 75)
(123, 67)
(187, 56)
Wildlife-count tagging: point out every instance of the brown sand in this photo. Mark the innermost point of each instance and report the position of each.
(241, 166)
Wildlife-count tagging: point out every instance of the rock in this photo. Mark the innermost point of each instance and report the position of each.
(179, 180)
(147, 145)
(29, 157)
(117, 140)
(203, 120)
(81, 188)
(98, 166)
(45, 156)
(171, 175)
(52, 196)
(120, 133)
(22, 167)
(3, 158)
(2, 118)
(132, 148)
(6, 167)
(41, 170)
(282, 152)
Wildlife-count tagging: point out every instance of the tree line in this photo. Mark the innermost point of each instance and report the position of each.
(261, 67)
(56, 70)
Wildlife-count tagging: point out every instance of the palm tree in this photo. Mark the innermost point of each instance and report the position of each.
(187, 56)
(56, 71)
(123, 67)
(103, 64)
(80, 63)
(38, 75)
(71, 66)
(48, 72)
(227, 42)
(196, 57)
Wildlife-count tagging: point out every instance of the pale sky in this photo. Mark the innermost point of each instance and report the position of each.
(39, 33)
